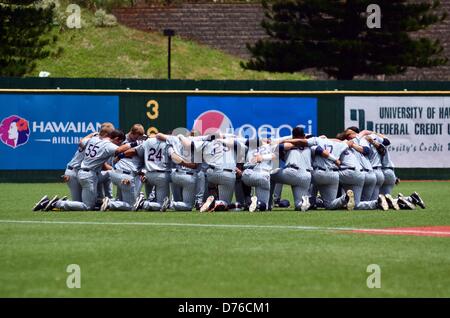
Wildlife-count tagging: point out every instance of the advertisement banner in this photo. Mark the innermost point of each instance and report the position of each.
(266, 117)
(418, 127)
(43, 131)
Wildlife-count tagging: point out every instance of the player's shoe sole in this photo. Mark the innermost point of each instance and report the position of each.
(139, 202)
(418, 200)
(205, 207)
(382, 202)
(51, 204)
(165, 204)
(403, 201)
(305, 204)
(105, 204)
(392, 203)
(351, 200)
(254, 204)
(41, 204)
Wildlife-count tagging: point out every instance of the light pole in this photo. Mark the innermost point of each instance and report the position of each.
(169, 33)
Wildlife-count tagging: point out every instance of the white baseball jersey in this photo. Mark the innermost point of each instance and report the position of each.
(374, 156)
(363, 160)
(133, 164)
(221, 156)
(299, 157)
(155, 154)
(266, 149)
(97, 152)
(78, 157)
(333, 147)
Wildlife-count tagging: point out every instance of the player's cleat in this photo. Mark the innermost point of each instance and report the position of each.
(392, 203)
(51, 203)
(404, 203)
(105, 204)
(284, 203)
(165, 204)
(382, 203)
(254, 204)
(198, 205)
(139, 202)
(417, 200)
(205, 207)
(219, 206)
(41, 204)
(350, 198)
(235, 207)
(305, 203)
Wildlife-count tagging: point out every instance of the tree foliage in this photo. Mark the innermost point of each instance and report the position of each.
(333, 36)
(25, 32)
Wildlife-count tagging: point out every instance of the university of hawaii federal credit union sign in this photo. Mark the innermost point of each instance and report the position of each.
(418, 127)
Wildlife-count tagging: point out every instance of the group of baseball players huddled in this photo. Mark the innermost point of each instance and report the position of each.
(186, 171)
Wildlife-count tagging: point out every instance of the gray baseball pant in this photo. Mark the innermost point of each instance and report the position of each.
(186, 182)
(225, 181)
(161, 182)
(380, 180)
(261, 181)
(389, 181)
(298, 179)
(73, 184)
(327, 183)
(370, 182)
(88, 181)
(127, 190)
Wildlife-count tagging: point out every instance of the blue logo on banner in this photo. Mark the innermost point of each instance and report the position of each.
(251, 116)
(43, 131)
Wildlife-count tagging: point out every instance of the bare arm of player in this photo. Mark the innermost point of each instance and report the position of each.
(125, 147)
(107, 166)
(361, 149)
(83, 141)
(161, 136)
(327, 155)
(185, 141)
(130, 153)
(298, 142)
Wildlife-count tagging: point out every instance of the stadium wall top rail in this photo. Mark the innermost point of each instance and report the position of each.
(226, 92)
(225, 86)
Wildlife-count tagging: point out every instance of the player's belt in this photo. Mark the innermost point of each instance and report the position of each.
(216, 168)
(297, 168)
(323, 169)
(387, 168)
(160, 171)
(89, 170)
(347, 168)
(376, 168)
(70, 168)
(185, 172)
(366, 170)
(131, 173)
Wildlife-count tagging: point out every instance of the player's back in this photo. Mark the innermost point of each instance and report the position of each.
(333, 147)
(373, 156)
(96, 153)
(155, 154)
(219, 155)
(299, 157)
(363, 159)
(133, 164)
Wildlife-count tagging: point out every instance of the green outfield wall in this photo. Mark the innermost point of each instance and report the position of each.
(415, 113)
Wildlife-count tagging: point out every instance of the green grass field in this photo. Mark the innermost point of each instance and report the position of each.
(223, 254)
